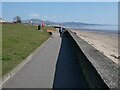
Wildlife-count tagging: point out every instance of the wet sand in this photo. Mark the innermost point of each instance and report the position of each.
(105, 43)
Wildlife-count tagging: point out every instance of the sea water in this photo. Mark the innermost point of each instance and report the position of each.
(104, 29)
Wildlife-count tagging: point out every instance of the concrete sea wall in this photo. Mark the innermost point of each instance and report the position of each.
(99, 71)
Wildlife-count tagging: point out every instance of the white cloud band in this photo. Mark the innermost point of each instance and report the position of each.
(35, 15)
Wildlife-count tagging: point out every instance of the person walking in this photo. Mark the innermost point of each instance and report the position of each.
(61, 31)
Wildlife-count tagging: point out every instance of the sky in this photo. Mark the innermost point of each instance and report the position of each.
(60, 0)
(87, 12)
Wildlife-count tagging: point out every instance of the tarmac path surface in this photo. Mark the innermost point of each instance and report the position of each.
(68, 71)
(54, 66)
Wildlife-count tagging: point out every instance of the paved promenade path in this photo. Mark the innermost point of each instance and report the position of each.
(54, 66)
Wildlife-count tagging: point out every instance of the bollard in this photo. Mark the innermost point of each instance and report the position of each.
(39, 27)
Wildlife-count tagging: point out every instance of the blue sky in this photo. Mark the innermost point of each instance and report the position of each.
(88, 12)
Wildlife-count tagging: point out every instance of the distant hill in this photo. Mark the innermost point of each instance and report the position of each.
(73, 23)
(38, 21)
(32, 21)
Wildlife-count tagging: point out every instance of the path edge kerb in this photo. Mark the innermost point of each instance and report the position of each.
(19, 66)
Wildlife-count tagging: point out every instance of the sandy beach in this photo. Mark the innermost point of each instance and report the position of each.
(106, 44)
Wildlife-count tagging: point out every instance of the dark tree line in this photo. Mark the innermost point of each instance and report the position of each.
(17, 19)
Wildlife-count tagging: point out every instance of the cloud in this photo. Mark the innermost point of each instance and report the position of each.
(50, 17)
(45, 16)
(34, 15)
(54, 17)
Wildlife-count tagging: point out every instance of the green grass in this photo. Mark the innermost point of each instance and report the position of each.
(18, 41)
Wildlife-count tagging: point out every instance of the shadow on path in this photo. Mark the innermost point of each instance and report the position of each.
(68, 73)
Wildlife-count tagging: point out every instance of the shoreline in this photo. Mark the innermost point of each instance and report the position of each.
(108, 32)
(105, 43)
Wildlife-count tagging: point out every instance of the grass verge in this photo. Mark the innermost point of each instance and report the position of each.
(18, 41)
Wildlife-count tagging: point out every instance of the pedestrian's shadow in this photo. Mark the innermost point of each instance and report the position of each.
(68, 73)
